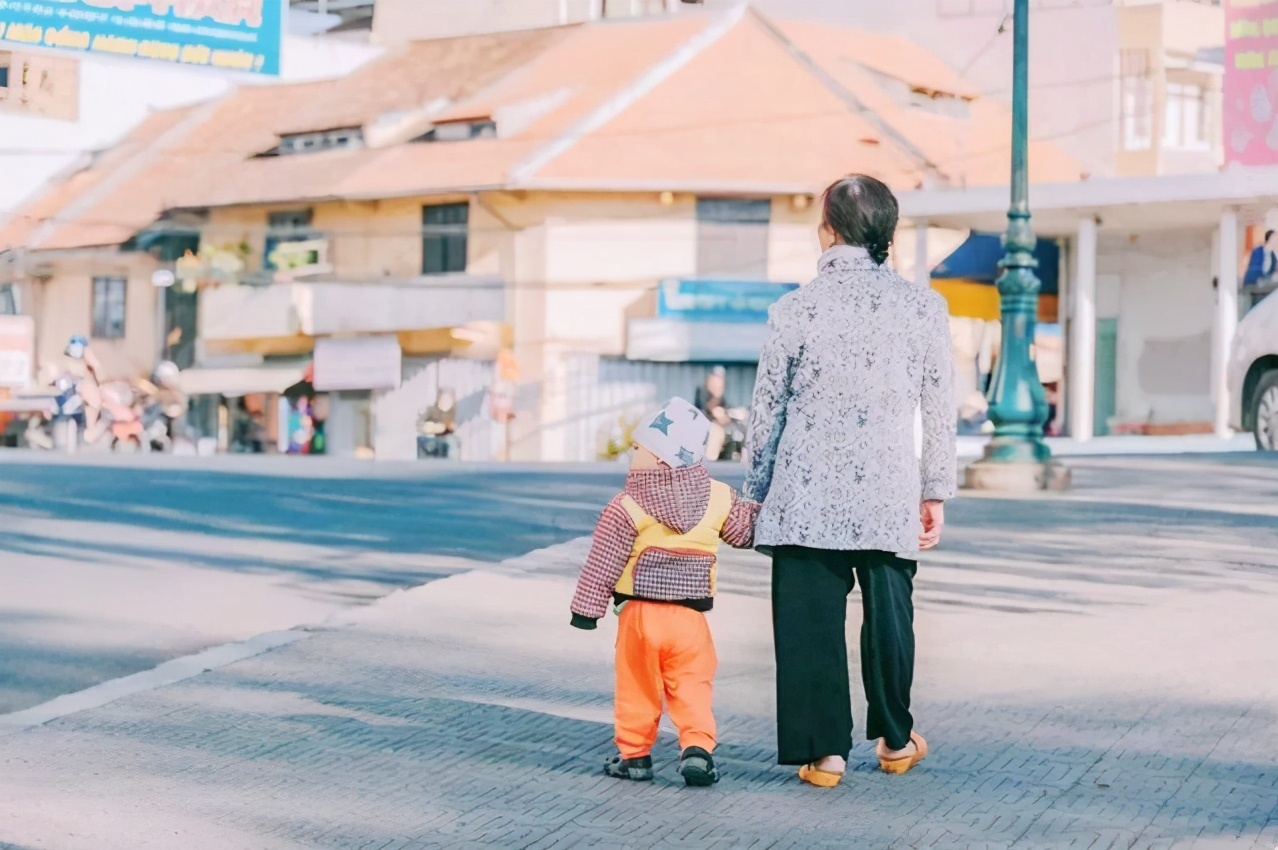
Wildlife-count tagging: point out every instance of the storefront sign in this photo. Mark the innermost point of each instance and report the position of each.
(292, 260)
(358, 363)
(1251, 82)
(17, 349)
(231, 35)
(721, 301)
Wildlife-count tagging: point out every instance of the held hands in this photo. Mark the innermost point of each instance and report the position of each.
(933, 516)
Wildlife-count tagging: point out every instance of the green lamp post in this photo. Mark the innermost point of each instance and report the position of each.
(1017, 458)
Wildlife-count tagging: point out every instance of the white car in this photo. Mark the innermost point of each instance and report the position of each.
(1253, 374)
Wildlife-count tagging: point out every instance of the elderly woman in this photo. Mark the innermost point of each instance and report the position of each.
(831, 454)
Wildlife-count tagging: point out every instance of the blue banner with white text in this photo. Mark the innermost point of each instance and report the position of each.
(230, 35)
(728, 301)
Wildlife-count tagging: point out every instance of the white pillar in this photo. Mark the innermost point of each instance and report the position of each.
(1082, 334)
(161, 323)
(1222, 336)
(922, 269)
(923, 277)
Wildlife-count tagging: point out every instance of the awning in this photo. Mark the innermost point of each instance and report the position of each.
(244, 380)
(977, 260)
(1124, 204)
(358, 363)
(969, 299)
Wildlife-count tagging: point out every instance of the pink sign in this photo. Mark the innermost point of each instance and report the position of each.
(1251, 82)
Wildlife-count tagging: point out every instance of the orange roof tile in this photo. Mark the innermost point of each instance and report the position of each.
(891, 55)
(747, 113)
(204, 156)
(707, 102)
(740, 112)
(62, 202)
(975, 150)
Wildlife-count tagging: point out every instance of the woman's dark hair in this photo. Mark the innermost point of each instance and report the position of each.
(861, 211)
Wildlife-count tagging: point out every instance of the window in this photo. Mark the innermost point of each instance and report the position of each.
(348, 137)
(109, 301)
(286, 226)
(4, 70)
(1187, 120)
(444, 232)
(461, 131)
(8, 300)
(732, 239)
(1137, 99)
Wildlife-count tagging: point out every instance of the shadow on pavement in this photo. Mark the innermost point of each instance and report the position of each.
(489, 516)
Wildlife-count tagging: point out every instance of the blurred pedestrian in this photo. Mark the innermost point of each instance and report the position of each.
(710, 401)
(1262, 263)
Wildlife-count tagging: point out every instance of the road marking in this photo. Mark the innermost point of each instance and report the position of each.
(168, 673)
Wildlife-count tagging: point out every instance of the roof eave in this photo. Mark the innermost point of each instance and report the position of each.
(690, 187)
(1229, 187)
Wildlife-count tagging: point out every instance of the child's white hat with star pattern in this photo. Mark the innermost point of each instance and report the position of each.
(677, 434)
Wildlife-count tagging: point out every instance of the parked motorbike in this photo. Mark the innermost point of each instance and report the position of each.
(437, 427)
(155, 428)
(162, 403)
(39, 430)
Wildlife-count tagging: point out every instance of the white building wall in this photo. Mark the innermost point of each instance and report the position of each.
(793, 248)
(647, 245)
(1159, 286)
(400, 20)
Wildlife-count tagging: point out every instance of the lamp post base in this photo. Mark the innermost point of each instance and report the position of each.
(1023, 477)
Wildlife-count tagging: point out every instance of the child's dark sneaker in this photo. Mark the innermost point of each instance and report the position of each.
(697, 768)
(638, 770)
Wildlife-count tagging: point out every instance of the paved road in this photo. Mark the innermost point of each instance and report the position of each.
(112, 565)
(1095, 671)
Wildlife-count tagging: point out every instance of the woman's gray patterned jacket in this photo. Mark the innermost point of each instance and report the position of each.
(830, 446)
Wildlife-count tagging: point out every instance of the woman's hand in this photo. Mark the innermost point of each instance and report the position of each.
(933, 516)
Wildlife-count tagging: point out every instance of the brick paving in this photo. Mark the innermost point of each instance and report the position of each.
(1116, 692)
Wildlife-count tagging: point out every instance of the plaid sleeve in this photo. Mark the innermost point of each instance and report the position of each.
(738, 531)
(610, 548)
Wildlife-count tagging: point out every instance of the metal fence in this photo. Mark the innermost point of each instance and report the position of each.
(604, 395)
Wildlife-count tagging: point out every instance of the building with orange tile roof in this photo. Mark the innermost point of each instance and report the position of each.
(529, 190)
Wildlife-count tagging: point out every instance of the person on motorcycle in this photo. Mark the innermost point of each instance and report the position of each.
(437, 426)
(75, 378)
(162, 403)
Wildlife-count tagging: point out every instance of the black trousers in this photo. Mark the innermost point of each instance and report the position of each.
(810, 589)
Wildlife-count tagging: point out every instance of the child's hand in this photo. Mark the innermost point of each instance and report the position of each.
(586, 623)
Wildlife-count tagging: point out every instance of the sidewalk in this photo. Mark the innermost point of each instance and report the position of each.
(1101, 681)
(1132, 445)
(466, 714)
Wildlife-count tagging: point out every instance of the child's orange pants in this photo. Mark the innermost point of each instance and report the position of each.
(663, 650)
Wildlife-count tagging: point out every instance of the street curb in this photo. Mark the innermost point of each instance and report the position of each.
(168, 673)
